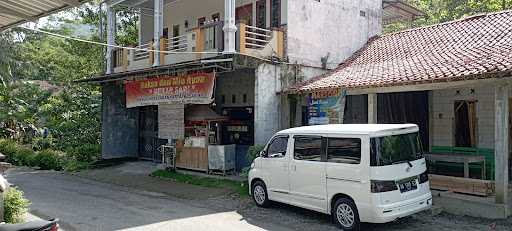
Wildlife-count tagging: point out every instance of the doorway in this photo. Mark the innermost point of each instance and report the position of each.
(465, 123)
(148, 133)
(244, 14)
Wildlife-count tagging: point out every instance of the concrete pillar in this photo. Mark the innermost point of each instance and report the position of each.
(111, 31)
(372, 108)
(158, 29)
(229, 27)
(501, 137)
(254, 6)
(268, 13)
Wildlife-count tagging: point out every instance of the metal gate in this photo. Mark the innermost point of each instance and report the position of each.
(148, 133)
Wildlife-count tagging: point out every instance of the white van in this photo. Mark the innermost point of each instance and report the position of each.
(371, 173)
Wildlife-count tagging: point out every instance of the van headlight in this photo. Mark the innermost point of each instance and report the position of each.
(252, 165)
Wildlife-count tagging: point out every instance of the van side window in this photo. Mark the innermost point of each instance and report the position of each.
(308, 148)
(277, 148)
(344, 150)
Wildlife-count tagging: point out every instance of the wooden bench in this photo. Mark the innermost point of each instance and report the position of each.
(487, 153)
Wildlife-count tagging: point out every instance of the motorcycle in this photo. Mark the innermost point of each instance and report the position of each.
(39, 225)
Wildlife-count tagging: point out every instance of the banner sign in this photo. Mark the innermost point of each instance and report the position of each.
(189, 89)
(325, 108)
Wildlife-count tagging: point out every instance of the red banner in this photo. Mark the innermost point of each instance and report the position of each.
(190, 89)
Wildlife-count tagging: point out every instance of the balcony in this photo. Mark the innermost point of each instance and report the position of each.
(201, 43)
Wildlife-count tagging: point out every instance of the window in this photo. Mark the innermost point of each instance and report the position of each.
(223, 99)
(275, 13)
(308, 148)
(245, 98)
(201, 21)
(233, 98)
(397, 149)
(344, 150)
(216, 17)
(277, 148)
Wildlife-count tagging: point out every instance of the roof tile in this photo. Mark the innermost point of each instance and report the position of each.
(450, 51)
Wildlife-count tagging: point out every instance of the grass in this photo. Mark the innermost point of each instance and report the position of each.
(239, 187)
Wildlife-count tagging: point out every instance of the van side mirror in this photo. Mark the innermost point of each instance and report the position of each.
(263, 153)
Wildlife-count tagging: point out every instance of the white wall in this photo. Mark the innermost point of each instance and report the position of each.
(443, 106)
(317, 28)
(272, 108)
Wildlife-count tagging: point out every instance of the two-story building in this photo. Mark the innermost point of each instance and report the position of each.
(208, 74)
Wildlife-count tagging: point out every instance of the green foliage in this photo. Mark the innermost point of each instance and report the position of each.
(254, 151)
(15, 206)
(72, 165)
(24, 157)
(41, 143)
(8, 148)
(239, 187)
(439, 11)
(49, 160)
(85, 153)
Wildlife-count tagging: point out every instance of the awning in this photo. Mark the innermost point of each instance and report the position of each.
(201, 112)
(16, 12)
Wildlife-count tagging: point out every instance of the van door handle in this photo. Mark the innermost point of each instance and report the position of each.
(294, 168)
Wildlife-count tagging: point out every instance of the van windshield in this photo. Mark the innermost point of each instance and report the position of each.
(389, 150)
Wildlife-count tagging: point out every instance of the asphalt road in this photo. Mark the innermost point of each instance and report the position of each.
(83, 204)
(113, 203)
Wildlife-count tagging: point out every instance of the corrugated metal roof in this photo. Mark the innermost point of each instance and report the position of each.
(15, 12)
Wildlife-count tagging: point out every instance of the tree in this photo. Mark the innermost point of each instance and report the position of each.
(439, 11)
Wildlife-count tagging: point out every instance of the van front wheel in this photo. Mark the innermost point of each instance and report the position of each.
(345, 214)
(259, 194)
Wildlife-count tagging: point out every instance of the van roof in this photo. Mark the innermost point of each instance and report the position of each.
(354, 129)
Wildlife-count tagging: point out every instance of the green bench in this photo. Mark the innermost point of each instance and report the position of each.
(474, 168)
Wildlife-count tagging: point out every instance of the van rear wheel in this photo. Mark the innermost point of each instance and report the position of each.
(259, 194)
(344, 213)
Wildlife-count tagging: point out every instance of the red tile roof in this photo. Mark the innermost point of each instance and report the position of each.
(471, 48)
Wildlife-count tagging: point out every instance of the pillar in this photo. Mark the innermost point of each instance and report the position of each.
(111, 30)
(268, 13)
(158, 30)
(372, 108)
(501, 135)
(229, 27)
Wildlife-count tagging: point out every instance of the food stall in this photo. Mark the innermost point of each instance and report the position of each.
(201, 149)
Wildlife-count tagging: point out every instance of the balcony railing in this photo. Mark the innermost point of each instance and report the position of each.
(260, 42)
(200, 43)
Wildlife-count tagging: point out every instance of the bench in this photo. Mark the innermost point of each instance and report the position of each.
(456, 167)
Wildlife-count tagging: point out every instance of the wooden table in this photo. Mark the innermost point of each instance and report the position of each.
(458, 158)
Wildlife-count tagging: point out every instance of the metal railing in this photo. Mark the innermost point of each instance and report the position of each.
(178, 43)
(257, 38)
(142, 54)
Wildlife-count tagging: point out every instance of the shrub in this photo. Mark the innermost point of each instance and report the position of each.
(254, 151)
(8, 148)
(48, 160)
(24, 156)
(15, 205)
(40, 143)
(73, 165)
(85, 153)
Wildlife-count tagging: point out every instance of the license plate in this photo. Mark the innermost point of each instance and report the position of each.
(408, 186)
